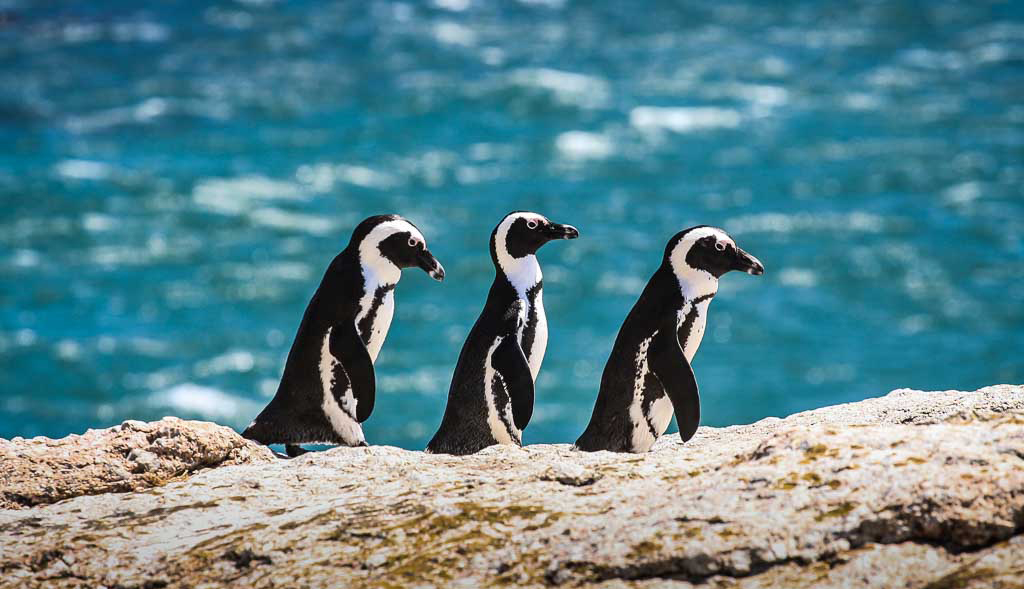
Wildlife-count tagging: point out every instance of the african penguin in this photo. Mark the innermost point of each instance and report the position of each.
(491, 396)
(328, 385)
(648, 374)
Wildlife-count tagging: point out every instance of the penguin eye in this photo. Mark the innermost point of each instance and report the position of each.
(413, 242)
(531, 224)
(720, 246)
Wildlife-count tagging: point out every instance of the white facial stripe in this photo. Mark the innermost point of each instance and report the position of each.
(698, 234)
(378, 269)
(695, 282)
(523, 272)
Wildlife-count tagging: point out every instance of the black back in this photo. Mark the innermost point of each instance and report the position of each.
(610, 426)
(295, 415)
(464, 428)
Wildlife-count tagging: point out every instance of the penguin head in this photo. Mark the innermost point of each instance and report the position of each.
(704, 250)
(521, 234)
(389, 243)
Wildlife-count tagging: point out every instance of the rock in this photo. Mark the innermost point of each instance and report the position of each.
(571, 474)
(128, 457)
(910, 490)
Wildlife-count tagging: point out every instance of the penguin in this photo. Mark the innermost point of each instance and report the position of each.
(648, 374)
(328, 386)
(490, 400)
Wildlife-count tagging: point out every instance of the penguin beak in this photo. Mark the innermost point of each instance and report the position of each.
(745, 262)
(556, 231)
(429, 264)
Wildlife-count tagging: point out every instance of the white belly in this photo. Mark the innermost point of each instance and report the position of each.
(661, 414)
(642, 438)
(497, 417)
(697, 331)
(535, 355)
(381, 324)
(661, 410)
(340, 416)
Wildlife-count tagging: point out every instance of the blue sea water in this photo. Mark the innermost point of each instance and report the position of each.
(175, 177)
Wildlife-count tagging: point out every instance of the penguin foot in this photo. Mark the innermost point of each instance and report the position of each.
(294, 450)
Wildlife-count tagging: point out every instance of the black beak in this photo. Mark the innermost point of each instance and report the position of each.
(745, 262)
(556, 231)
(429, 264)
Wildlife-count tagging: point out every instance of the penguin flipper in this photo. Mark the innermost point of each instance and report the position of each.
(670, 365)
(510, 362)
(349, 349)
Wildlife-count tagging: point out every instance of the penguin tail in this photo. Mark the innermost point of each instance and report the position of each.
(279, 423)
(596, 439)
(262, 432)
(587, 443)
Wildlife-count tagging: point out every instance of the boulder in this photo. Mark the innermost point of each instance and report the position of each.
(914, 489)
(128, 457)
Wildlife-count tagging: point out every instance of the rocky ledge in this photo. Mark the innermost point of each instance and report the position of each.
(913, 489)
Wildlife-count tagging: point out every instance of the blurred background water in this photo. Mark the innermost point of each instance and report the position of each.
(175, 177)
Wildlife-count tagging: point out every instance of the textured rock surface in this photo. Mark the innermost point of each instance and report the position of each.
(910, 490)
(128, 457)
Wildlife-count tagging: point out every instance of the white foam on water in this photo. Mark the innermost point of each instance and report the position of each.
(798, 277)
(239, 195)
(787, 223)
(581, 145)
(230, 361)
(97, 222)
(83, 169)
(430, 380)
(566, 87)
(452, 5)
(452, 33)
(141, 31)
(143, 112)
(207, 402)
(323, 177)
(682, 119)
(963, 193)
(276, 218)
(25, 258)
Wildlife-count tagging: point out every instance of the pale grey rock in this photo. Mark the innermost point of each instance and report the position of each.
(909, 490)
(569, 473)
(128, 457)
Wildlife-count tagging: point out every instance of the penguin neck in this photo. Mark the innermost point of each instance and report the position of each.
(695, 283)
(377, 270)
(522, 273)
(374, 278)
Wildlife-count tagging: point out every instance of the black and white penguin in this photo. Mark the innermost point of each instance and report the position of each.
(648, 374)
(328, 385)
(491, 396)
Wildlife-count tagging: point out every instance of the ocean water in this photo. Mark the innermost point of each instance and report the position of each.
(175, 177)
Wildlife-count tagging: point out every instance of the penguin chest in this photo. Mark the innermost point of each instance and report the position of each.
(534, 335)
(338, 406)
(692, 320)
(650, 409)
(499, 403)
(659, 414)
(644, 398)
(376, 310)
